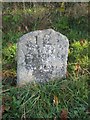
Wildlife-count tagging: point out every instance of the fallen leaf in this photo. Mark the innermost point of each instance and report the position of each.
(77, 67)
(3, 108)
(82, 41)
(55, 100)
(64, 114)
(6, 98)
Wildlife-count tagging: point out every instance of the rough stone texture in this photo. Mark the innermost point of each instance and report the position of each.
(42, 56)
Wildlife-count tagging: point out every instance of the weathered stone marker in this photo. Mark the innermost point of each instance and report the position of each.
(42, 56)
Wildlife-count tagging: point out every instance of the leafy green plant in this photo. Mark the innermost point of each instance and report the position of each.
(9, 54)
(79, 52)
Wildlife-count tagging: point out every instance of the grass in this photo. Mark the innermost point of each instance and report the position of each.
(46, 100)
(38, 100)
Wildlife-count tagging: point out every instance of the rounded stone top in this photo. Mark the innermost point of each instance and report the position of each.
(40, 32)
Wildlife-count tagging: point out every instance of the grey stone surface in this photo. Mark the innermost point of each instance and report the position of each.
(42, 56)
